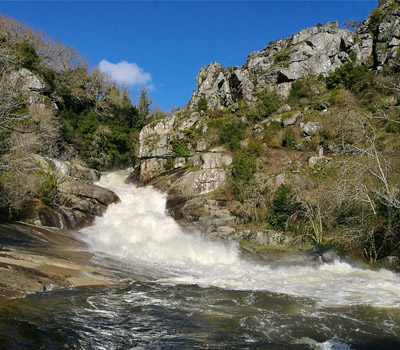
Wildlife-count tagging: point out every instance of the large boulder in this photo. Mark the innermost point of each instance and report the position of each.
(81, 202)
(311, 128)
(77, 199)
(29, 81)
(203, 181)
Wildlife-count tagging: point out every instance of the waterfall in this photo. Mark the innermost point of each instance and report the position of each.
(138, 230)
(61, 167)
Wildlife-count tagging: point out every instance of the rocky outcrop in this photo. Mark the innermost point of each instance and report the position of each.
(29, 81)
(185, 179)
(316, 50)
(381, 33)
(222, 88)
(76, 199)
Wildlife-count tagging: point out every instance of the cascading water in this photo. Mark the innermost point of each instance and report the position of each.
(139, 230)
(200, 294)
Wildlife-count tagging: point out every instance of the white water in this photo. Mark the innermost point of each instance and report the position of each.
(139, 230)
(60, 166)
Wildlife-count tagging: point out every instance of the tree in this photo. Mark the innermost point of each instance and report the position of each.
(144, 103)
(352, 24)
(369, 192)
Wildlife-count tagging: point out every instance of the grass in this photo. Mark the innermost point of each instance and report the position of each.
(256, 248)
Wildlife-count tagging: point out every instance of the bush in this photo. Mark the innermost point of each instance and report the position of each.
(47, 189)
(169, 164)
(29, 58)
(232, 133)
(289, 139)
(376, 17)
(244, 167)
(299, 90)
(202, 104)
(180, 148)
(270, 102)
(349, 75)
(282, 57)
(255, 148)
(282, 208)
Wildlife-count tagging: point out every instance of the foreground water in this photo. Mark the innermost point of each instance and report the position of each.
(199, 293)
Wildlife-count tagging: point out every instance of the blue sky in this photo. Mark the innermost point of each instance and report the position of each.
(169, 41)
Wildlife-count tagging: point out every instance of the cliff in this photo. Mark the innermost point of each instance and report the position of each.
(252, 153)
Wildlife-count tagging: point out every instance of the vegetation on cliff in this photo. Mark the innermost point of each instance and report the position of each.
(313, 140)
(53, 106)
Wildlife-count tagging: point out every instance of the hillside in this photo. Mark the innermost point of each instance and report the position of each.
(298, 147)
(295, 149)
(59, 124)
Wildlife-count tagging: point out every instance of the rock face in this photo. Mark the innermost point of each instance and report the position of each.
(78, 199)
(203, 181)
(30, 82)
(379, 34)
(222, 88)
(316, 50)
(205, 169)
(198, 168)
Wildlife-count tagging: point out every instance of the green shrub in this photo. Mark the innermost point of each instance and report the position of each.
(232, 133)
(48, 188)
(28, 56)
(281, 208)
(289, 139)
(180, 148)
(376, 17)
(169, 164)
(270, 102)
(244, 167)
(4, 141)
(274, 125)
(282, 57)
(88, 124)
(255, 148)
(349, 75)
(393, 127)
(202, 104)
(299, 90)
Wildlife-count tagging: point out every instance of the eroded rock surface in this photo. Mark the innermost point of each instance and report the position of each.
(34, 259)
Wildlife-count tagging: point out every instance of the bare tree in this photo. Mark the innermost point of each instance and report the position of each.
(369, 190)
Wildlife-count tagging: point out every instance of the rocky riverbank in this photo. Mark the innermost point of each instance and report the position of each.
(34, 260)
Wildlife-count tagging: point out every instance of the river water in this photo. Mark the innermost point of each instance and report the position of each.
(198, 293)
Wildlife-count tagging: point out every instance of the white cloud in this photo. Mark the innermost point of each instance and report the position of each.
(125, 73)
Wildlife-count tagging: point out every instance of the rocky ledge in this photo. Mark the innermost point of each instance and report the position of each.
(34, 260)
(76, 199)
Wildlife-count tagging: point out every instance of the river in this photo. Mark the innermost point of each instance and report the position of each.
(199, 293)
